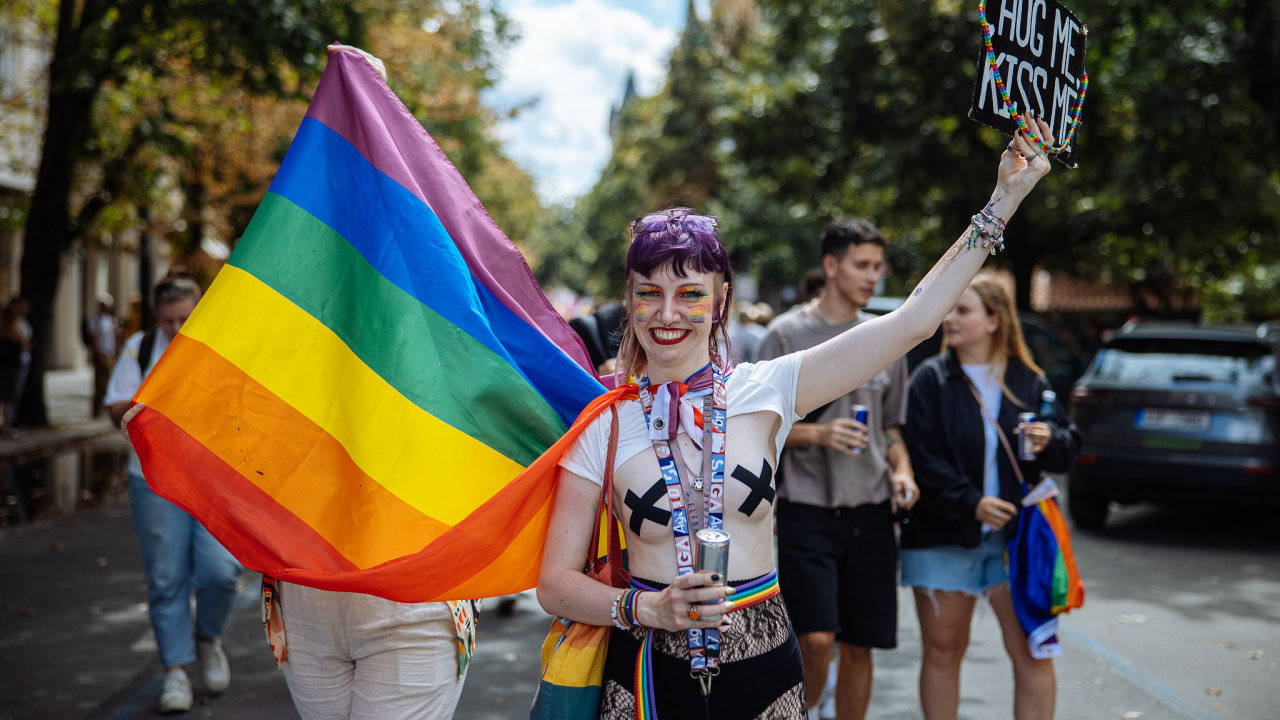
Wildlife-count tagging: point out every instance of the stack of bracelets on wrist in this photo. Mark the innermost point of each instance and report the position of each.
(987, 230)
(623, 610)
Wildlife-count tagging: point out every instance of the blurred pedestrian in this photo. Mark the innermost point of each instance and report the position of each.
(745, 333)
(814, 280)
(600, 330)
(953, 550)
(685, 644)
(103, 331)
(13, 343)
(20, 308)
(178, 554)
(845, 479)
(357, 656)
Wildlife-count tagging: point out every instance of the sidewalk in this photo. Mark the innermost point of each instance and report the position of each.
(75, 638)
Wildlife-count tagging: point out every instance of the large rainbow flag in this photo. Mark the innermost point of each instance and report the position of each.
(361, 399)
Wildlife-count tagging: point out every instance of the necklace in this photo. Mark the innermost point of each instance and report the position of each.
(696, 474)
(1073, 118)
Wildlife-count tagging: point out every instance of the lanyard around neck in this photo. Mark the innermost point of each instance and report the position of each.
(704, 644)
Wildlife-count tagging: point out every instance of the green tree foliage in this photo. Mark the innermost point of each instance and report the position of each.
(1181, 188)
(187, 107)
(824, 108)
(99, 46)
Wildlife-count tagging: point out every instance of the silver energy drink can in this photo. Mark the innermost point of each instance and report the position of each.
(1026, 449)
(711, 554)
(859, 414)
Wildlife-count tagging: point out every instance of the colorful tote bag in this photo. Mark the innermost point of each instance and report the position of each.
(573, 653)
(572, 671)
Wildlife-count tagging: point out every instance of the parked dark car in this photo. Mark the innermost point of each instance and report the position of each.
(1177, 412)
(1060, 363)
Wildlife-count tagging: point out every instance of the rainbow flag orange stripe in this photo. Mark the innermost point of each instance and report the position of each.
(365, 397)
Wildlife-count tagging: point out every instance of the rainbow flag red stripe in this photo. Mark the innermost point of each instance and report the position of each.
(364, 399)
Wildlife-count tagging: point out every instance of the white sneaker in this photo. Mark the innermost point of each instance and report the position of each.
(827, 703)
(213, 664)
(175, 696)
(827, 707)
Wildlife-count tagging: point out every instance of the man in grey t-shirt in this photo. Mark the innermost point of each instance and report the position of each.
(841, 482)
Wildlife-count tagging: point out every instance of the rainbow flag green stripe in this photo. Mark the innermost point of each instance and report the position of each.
(403, 239)
(307, 273)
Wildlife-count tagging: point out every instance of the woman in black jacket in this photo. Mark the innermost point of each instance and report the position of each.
(953, 549)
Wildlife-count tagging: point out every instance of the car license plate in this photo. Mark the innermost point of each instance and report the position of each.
(1160, 419)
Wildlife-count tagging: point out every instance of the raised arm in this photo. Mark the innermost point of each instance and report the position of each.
(850, 359)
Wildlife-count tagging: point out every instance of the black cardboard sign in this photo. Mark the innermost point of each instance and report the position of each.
(1039, 51)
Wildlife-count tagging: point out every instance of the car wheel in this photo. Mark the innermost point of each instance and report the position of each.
(1088, 510)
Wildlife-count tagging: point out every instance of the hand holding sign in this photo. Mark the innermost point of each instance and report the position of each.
(1032, 64)
(1023, 163)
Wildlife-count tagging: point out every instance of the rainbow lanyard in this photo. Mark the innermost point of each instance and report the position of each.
(1073, 118)
(704, 644)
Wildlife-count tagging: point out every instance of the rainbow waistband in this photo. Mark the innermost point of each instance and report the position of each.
(752, 592)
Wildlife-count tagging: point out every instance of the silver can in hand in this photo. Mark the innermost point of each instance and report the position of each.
(711, 554)
(1026, 446)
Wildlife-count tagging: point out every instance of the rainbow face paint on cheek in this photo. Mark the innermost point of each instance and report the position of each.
(698, 313)
(643, 311)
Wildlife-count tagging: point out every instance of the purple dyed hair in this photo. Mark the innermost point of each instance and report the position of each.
(687, 242)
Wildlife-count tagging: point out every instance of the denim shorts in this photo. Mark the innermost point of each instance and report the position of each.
(953, 568)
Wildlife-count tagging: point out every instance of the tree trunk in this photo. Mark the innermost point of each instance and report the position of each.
(48, 232)
(1023, 252)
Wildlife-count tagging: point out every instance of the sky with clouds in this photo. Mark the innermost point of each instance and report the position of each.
(572, 59)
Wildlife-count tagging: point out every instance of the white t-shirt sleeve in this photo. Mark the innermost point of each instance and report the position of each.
(769, 386)
(587, 456)
(126, 378)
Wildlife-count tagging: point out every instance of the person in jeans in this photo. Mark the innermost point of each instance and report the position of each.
(177, 552)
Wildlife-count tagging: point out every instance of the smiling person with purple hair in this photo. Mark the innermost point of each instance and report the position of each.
(697, 447)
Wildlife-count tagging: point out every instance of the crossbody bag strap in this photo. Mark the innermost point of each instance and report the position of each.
(1004, 440)
(613, 557)
(614, 544)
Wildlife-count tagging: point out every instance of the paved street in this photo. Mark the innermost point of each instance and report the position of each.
(1182, 622)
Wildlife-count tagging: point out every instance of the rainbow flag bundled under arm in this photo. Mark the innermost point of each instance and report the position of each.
(363, 399)
(1043, 580)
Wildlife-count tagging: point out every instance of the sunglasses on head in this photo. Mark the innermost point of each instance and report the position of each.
(659, 221)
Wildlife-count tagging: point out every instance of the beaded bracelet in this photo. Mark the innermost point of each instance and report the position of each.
(987, 229)
(613, 611)
(623, 611)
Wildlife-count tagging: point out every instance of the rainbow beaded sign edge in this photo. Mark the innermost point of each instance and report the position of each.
(1032, 60)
